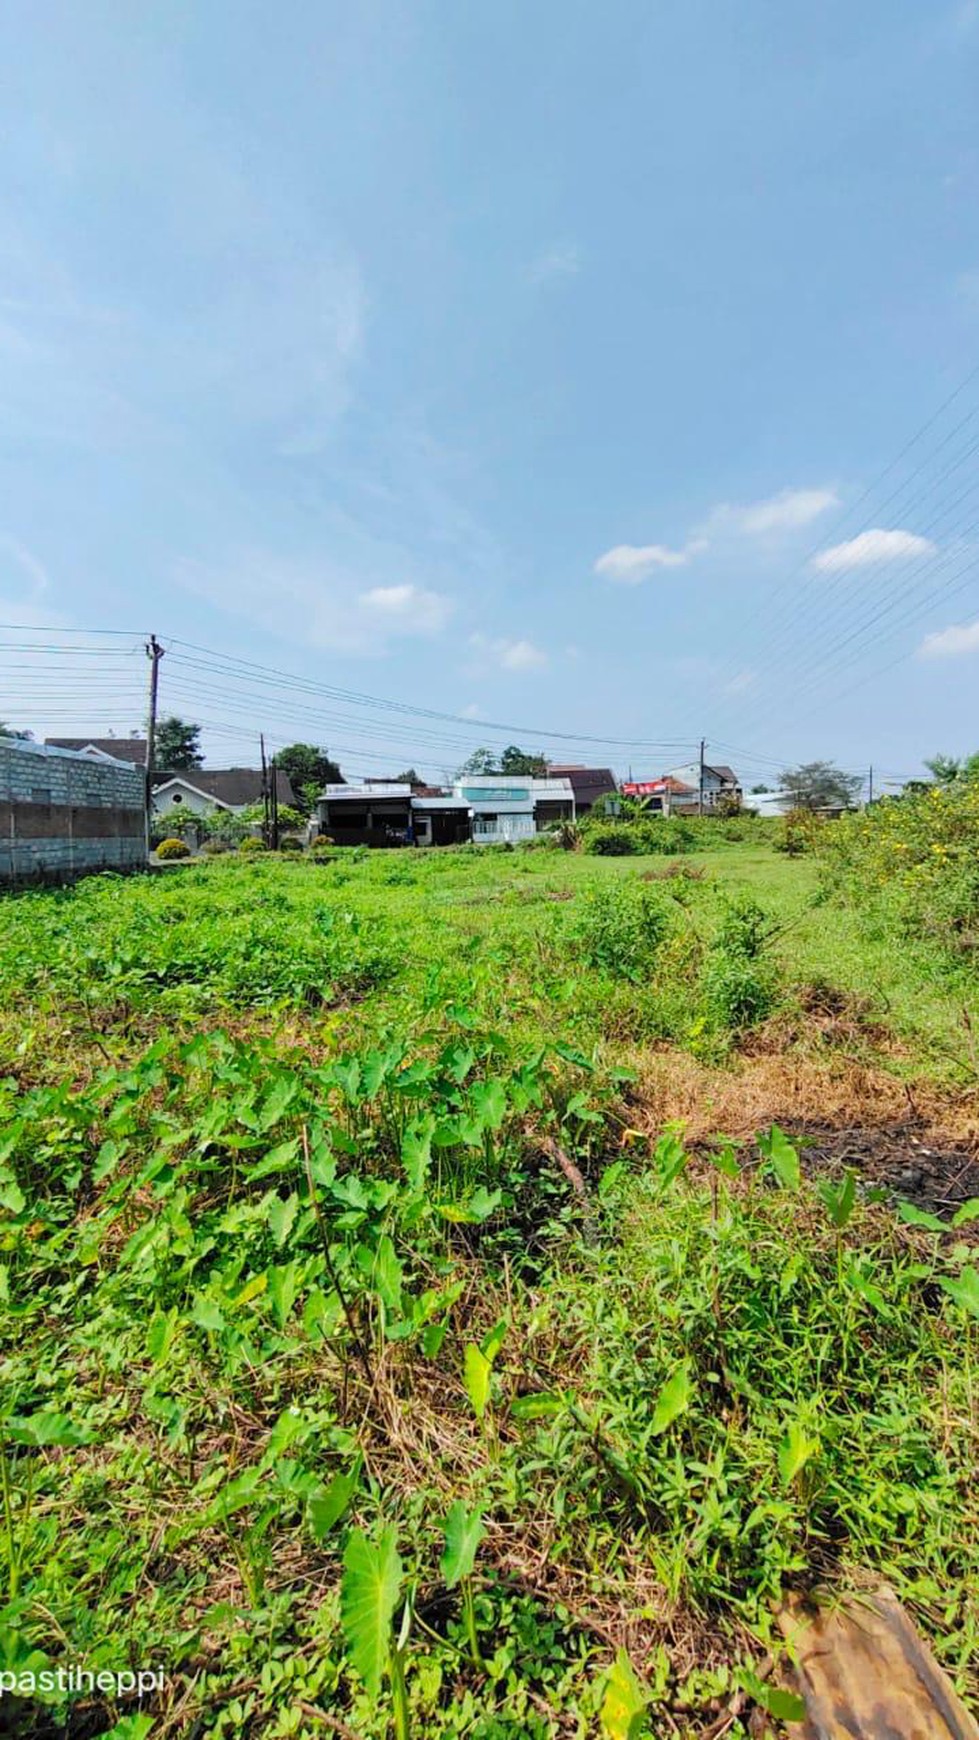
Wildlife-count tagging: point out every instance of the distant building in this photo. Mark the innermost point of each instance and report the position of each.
(509, 807)
(103, 748)
(677, 793)
(390, 813)
(589, 784)
(201, 791)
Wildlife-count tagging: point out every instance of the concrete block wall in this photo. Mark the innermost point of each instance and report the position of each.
(64, 815)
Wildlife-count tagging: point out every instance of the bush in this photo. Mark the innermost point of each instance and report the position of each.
(322, 841)
(799, 832)
(252, 844)
(619, 927)
(214, 848)
(612, 840)
(290, 843)
(736, 991)
(173, 849)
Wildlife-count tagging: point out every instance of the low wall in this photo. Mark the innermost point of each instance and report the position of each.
(64, 815)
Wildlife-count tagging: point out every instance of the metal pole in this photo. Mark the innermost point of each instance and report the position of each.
(700, 797)
(154, 652)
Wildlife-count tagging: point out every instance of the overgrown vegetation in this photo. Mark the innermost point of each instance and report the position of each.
(379, 1358)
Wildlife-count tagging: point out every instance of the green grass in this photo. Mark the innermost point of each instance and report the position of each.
(326, 1221)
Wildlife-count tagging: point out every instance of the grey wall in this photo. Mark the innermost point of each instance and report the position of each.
(65, 815)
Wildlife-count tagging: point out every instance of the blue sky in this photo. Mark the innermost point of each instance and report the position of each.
(526, 363)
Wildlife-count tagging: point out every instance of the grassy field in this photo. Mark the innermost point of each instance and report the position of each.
(458, 1293)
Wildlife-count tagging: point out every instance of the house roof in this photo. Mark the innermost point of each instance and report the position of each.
(120, 748)
(237, 787)
(654, 787)
(727, 774)
(588, 783)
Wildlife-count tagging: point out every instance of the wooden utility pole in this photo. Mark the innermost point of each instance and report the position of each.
(154, 652)
(274, 794)
(700, 788)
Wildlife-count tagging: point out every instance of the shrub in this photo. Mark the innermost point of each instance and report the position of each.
(619, 926)
(798, 833)
(252, 844)
(321, 842)
(214, 848)
(736, 991)
(173, 849)
(290, 843)
(612, 840)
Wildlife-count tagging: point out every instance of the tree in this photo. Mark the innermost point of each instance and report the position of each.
(409, 777)
(513, 760)
(757, 790)
(947, 769)
(818, 785)
(516, 760)
(178, 745)
(308, 770)
(480, 761)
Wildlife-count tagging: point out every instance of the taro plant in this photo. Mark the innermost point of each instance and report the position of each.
(369, 1590)
(463, 1533)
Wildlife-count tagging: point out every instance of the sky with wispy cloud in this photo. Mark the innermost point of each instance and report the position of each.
(516, 362)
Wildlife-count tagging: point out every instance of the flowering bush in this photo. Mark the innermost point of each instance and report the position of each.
(918, 855)
(172, 849)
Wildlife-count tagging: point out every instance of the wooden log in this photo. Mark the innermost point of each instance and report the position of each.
(867, 1674)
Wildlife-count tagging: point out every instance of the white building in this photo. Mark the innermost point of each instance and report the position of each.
(510, 807)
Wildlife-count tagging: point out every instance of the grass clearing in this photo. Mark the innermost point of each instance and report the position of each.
(379, 1357)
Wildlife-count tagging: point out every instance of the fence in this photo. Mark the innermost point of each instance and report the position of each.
(63, 814)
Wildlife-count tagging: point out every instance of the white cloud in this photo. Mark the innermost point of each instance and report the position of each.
(951, 642)
(868, 549)
(562, 260)
(628, 564)
(510, 655)
(785, 512)
(409, 609)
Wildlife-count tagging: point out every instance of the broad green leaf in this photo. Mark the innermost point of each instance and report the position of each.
(368, 1595)
(913, 1216)
(160, 1333)
(327, 1504)
(782, 1156)
(283, 1286)
(45, 1430)
(795, 1451)
(491, 1343)
(457, 1061)
(624, 1703)
(387, 1272)
(463, 1532)
(784, 1706)
(12, 1197)
(489, 1103)
(543, 1405)
(477, 1378)
(968, 1212)
(135, 1727)
(669, 1156)
(570, 1055)
(839, 1201)
(965, 1291)
(673, 1399)
(207, 1314)
(433, 1338)
(277, 1101)
(416, 1152)
(282, 1213)
(726, 1160)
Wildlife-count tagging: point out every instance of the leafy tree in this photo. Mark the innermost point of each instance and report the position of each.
(480, 761)
(513, 760)
(947, 769)
(409, 777)
(757, 790)
(178, 745)
(18, 736)
(308, 770)
(818, 785)
(517, 760)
